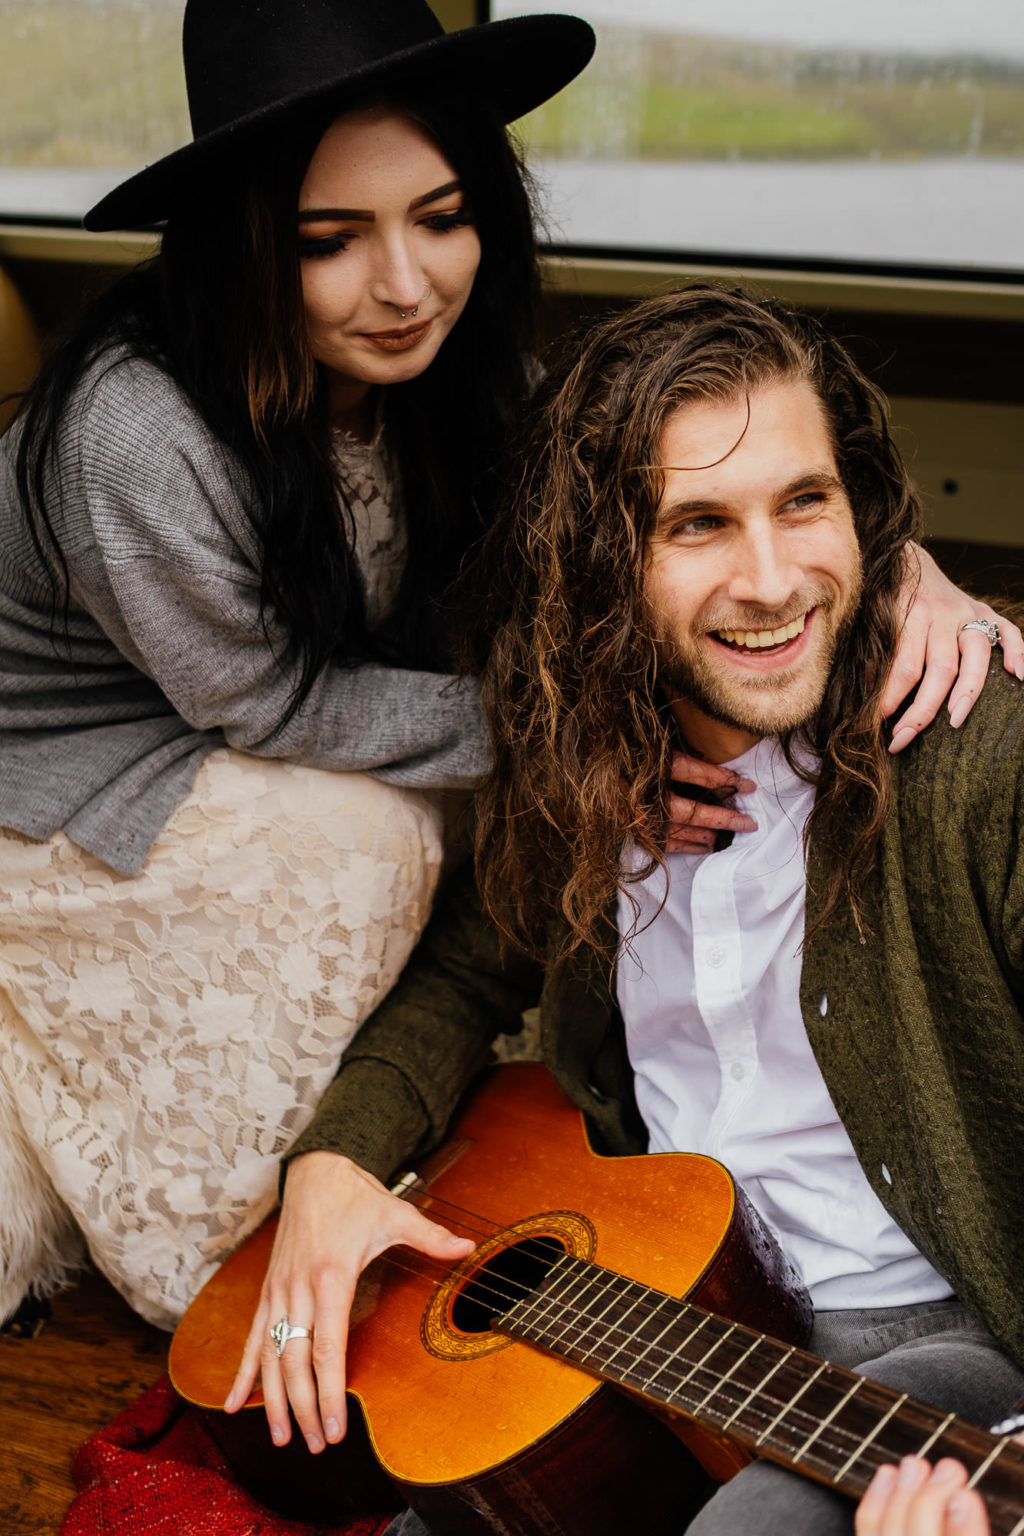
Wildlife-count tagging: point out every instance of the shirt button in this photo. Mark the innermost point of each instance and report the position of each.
(738, 1071)
(716, 957)
(823, 1006)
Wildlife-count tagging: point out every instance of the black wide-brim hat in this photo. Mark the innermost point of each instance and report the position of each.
(252, 64)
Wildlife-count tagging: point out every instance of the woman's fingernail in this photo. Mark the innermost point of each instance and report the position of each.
(958, 714)
(333, 1429)
(277, 1434)
(315, 1444)
(959, 1510)
(900, 736)
(230, 1402)
(909, 1469)
(1018, 670)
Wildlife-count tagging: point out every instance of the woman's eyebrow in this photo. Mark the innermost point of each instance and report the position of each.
(432, 197)
(367, 215)
(316, 215)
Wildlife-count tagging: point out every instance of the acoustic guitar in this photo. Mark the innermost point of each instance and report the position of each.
(492, 1392)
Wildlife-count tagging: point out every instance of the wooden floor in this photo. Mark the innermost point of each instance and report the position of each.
(93, 1358)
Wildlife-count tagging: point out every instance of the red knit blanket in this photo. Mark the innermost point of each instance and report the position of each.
(155, 1469)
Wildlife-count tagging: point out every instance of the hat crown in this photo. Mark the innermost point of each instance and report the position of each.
(242, 56)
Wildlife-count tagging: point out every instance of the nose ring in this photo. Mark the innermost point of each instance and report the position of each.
(404, 314)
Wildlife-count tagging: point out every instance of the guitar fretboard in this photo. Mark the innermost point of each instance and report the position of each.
(781, 1403)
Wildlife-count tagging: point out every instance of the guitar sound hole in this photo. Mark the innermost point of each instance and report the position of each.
(502, 1281)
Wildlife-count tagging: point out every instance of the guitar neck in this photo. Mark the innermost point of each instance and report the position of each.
(780, 1403)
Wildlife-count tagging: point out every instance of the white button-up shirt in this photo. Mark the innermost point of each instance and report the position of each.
(709, 987)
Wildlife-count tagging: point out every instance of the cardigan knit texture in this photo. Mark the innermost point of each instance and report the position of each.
(917, 1027)
(165, 656)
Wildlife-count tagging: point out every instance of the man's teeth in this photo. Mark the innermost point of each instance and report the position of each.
(758, 639)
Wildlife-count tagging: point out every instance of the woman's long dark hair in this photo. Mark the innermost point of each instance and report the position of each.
(220, 310)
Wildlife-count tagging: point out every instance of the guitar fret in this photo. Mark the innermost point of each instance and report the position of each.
(723, 1379)
(610, 1362)
(755, 1391)
(554, 1297)
(582, 1278)
(828, 1419)
(653, 1344)
(596, 1320)
(947, 1421)
(791, 1404)
(883, 1421)
(810, 1413)
(633, 1298)
(989, 1459)
(601, 1339)
(673, 1354)
(695, 1368)
(618, 1291)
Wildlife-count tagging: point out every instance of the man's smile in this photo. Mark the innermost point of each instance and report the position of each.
(762, 639)
(757, 650)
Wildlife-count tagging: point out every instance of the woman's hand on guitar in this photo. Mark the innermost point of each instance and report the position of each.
(915, 1499)
(335, 1219)
(692, 824)
(936, 651)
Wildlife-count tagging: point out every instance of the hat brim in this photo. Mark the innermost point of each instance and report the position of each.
(515, 64)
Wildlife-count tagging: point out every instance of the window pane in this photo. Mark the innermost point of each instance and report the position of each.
(91, 90)
(886, 133)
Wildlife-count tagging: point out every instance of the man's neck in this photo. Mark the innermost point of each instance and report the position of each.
(710, 739)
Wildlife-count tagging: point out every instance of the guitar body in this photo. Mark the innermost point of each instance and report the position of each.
(481, 1432)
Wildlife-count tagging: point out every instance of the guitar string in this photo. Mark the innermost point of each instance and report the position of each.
(425, 1198)
(479, 1288)
(768, 1408)
(759, 1408)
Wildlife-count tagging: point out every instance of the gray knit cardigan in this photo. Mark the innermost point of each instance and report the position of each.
(102, 730)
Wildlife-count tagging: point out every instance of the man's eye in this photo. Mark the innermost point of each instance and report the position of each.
(695, 526)
(807, 500)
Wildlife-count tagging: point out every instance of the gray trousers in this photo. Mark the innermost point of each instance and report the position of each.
(936, 1351)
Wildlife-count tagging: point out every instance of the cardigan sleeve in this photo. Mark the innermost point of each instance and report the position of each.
(162, 555)
(403, 1075)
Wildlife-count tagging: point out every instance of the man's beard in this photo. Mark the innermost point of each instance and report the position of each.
(762, 703)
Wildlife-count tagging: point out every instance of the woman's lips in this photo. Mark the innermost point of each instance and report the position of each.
(398, 341)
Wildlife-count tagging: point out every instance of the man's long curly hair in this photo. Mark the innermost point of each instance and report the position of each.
(582, 733)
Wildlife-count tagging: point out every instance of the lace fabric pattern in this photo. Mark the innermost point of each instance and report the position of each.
(164, 1037)
(371, 481)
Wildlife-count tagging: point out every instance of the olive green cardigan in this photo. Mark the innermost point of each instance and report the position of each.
(920, 1039)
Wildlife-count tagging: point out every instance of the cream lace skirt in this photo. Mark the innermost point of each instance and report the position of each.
(164, 1037)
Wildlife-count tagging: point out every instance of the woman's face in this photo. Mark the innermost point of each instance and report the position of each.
(384, 229)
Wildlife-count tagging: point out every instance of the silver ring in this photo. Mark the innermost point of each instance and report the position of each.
(988, 627)
(283, 1331)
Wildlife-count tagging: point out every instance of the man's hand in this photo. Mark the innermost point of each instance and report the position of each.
(914, 1499)
(335, 1219)
(694, 825)
(938, 652)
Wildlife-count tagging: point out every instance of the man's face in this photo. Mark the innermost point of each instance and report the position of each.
(753, 568)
